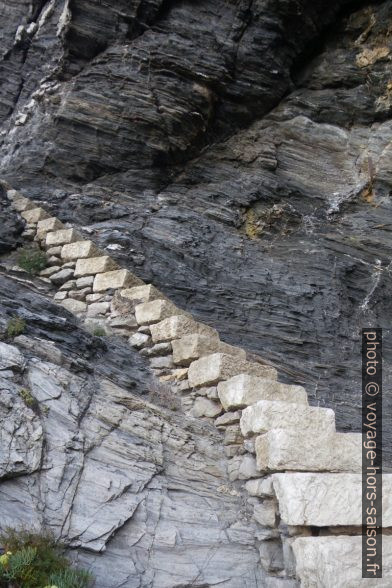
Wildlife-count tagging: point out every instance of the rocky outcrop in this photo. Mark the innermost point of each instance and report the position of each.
(122, 447)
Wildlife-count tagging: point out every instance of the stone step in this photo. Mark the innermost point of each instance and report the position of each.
(115, 279)
(336, 562)
(326, 500)
(267, 414)
(79, 249)
(47, 225)
(21, 203)
(61, 237)
(33, 215)
(191, 347)
(91, 266)
(301, 450)
(154, 311)
(144, 293)
(211, 369)
(244, 390)
(177, 326)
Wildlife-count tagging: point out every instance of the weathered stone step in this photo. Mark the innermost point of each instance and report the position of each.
(211, 369)
(191, 347)
(115, 279)
(326, 500)
(47, 225)
(177, 326)
(336, 562)
(266, 415)
(61, 237)
(33, 215)
(144, 293)
(79, 249)
(94, 265)
(303, 450)
(244, 390)
(154, 311)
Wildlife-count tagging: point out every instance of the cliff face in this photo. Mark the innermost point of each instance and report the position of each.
(238, 154)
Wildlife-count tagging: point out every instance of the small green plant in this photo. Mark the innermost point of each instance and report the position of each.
(28, 398)
(15, 326)
(32, 260)
(35, 560)
(99, 332)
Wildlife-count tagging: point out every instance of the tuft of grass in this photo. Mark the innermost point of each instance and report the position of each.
(99, 332)
(252, 228)
(32, 260)
(35, 560)
(28, 398)
(15, 326)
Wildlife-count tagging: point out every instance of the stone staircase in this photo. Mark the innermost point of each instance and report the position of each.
(303, 478)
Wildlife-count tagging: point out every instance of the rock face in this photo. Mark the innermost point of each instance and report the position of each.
(161, 127)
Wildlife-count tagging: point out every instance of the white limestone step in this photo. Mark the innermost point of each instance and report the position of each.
(33, 215)
(177, 326)
(336, 562)
(79, 249)
(91, 266)
(191, 347)
(304, 450)
(154, 311)
(265, 415)
(244, 390)
(61, 237)
(211, 369)
(326, 500)
(115, 279)
(144, 293)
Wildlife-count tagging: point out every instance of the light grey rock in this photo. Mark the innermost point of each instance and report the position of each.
(178, 326)
(203, 407)
(139, 340)
(165, 361)
(74, 306)
(79, 249)
(265, 513)
(115, 279)
(79, 294)
(50, 271)
(97, 308)
(70, 285)
(62, 276)
(228, 418)
(10, 357)
(60, 296)
(33, 215)
(61, 237)
(85, 282)
(155, 311)
(21, 435)
(94, 265)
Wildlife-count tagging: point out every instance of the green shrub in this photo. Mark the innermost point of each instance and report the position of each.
(35, 560)
(99, 332)
(32, 260)
(28, 398)
(15, 326)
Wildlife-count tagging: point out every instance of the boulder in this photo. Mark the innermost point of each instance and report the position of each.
(10, 357)
(62, 276)
(21, 204)
(244, 390)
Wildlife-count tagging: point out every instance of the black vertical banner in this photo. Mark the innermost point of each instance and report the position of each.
(371, 453)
